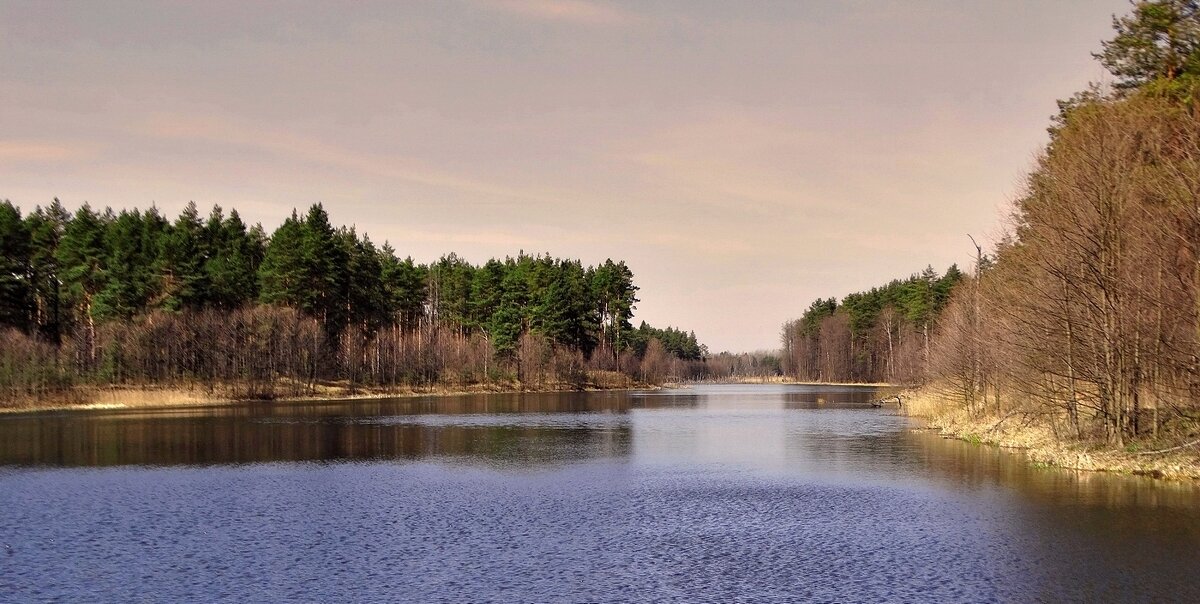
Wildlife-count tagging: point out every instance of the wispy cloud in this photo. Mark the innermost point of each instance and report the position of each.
(569, 11)
(42, 151)
(286, 144)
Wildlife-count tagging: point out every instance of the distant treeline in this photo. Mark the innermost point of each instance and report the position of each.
(131, 297)
(734, 366)
(881, 335)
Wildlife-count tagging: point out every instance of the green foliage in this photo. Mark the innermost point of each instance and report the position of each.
(232, 269)
(867, 351)
(1155, 53)
(62, 270)
(404, 287)
(81, 256)
(46, 227)
(615, 297)
(510, 320)
(449, 289)
(565, 312)
(184, 252)
(677, 342)
(16, 279)
(128, 280)
(819, 309)
(918, 299)
(1159, 41)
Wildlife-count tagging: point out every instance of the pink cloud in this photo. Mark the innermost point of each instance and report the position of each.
(40, 151)
(572, 11)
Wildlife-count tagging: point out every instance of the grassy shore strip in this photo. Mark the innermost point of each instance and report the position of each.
(1040, 445)
(786, 381)
(855, 384)
(150, 397)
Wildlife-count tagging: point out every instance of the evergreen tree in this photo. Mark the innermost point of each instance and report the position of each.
(404, 284)
(81, 256)
(128, 268)
(280, 276)
(510, 321)
(64, 274)
(565, 312)
(365, 297)
(16, 287)
(232, 271)
(486, 292)
(184, 254)
(1160, 40)
(615, 297)
(46, 228)
(449, 289)
(323, 262)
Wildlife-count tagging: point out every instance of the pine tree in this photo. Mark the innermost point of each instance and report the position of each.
(1160, 40)
(128, 268)
(280, 276)
(565, 312)
(81, 258)
(184, 255)
(449, 289)
(232, 271)
(404, 285)
(47, 227)
(323, 263)
(486, 291)
(16, 286)
(614, 295)
(510, 321)
(365, 298)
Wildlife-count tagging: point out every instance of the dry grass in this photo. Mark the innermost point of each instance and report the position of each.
(120, 398)
(873, 384)
(1040, 443)
(88, 397)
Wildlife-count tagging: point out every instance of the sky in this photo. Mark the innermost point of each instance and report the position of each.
(744, 158)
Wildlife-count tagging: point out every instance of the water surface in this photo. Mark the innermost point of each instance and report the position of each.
(709, 494)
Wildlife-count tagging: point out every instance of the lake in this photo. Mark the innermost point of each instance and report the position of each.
(724, 493)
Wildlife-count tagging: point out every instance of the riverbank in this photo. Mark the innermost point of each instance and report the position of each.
(199, 395)
(786, 381)
(1040, 445)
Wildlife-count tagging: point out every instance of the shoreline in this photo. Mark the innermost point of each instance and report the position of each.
(1037, 444)
(1041, 448)
(96, 398)
(782, 381)
(151, 398)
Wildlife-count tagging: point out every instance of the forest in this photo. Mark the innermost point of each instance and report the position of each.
(881, 335)
(132, 298)
(1085, 318)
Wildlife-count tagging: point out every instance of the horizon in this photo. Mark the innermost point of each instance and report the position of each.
(764, 192)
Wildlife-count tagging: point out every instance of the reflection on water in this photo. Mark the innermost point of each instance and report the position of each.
(714, 493)
(825, 432)
(407, 428)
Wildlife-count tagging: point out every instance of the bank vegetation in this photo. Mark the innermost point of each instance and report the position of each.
(95, 303)
(1078, 336)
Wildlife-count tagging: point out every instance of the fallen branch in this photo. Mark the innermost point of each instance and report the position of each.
(1183, 446)
(1002, 420)
(880, 402)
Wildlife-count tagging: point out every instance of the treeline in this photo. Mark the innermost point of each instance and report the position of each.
(881, 335)
(743, 366)
(133, 298)
(1088, 318)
